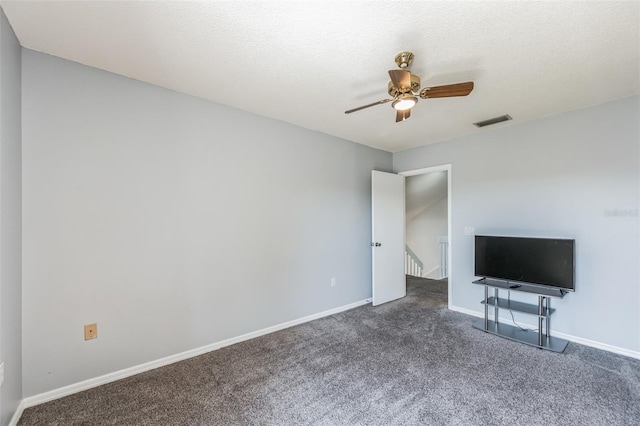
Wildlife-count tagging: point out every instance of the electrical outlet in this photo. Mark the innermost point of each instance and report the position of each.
(469, 230)
(333, 282)
(91, 331)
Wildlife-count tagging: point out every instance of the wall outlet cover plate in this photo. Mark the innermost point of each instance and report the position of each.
(91, 331)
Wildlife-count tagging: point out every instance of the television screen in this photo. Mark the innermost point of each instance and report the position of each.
(542, 261)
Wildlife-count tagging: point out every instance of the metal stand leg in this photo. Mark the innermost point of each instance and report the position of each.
(495, 308)
(486, 307)
(548, 317)
(540, 313)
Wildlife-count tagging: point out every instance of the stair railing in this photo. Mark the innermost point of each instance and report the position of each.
(412, 264)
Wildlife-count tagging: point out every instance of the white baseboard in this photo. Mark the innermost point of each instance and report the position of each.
(598, 345)
(127, 372)
(16, 416)
(466, 311)
(569, 337)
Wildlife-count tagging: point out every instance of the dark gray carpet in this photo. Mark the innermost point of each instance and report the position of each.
(408, 362)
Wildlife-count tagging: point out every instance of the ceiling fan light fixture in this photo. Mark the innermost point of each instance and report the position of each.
(404, 89)
(404, 103)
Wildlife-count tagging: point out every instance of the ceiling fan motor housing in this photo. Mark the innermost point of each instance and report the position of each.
(415, 86)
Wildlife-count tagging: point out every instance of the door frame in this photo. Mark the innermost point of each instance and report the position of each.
(423, 171)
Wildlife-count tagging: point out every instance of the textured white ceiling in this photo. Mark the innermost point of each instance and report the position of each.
(306, 62)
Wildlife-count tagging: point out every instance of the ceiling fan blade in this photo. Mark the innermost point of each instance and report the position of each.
(402, 115)
(447, 91)
(401, 79)
(384, 101)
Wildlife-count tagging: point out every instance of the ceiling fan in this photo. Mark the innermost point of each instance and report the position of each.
(404, 89)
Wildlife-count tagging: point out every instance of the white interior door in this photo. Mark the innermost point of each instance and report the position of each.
(387, 247)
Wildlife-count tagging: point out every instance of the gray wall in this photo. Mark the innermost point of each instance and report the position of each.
(10, 222)
(555, 177)
(174, 222)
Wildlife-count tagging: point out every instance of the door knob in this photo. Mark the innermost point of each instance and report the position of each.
(375, 244)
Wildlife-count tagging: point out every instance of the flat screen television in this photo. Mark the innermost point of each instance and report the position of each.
(540, 261)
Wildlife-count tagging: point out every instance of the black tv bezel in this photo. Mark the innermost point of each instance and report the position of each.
(527, 283)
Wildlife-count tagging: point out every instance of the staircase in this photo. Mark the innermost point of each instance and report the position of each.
(412, 264)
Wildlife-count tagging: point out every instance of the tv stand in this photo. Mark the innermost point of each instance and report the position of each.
(542, 339)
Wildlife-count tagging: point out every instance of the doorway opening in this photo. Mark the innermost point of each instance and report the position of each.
(428, 225)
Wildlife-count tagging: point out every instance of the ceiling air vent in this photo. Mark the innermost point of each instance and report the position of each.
(494, 120)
